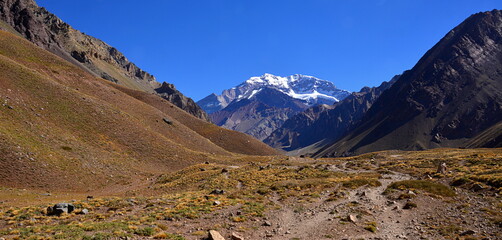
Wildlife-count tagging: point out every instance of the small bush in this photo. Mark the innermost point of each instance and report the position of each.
(371, 226)
(146, 231)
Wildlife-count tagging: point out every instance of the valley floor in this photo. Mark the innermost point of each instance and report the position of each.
(382, 195)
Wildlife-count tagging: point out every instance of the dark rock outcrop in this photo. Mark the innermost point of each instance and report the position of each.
(451, 96)
(325, 123)
(170, 93)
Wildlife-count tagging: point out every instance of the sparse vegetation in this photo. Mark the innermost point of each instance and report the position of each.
(424, 185)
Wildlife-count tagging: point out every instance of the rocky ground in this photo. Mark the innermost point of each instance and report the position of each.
(386, 195)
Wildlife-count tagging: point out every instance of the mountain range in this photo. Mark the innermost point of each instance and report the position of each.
(261, 104)
(322, 124)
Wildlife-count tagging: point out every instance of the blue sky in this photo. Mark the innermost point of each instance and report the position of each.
(206, 46)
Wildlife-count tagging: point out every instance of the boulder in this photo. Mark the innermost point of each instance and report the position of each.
(60, 208)
(214, 235)
(441, 168)
(236, 236)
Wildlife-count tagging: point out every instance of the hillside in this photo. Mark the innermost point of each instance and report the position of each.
(452, 95)
(60, 124)
(25, 18)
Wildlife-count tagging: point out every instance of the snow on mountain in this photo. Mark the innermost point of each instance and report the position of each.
(311, 90)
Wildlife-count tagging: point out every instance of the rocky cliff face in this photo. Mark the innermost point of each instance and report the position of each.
(451, 96)
(48, 31)
(325, 123)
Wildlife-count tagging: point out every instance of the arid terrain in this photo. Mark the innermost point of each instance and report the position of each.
(381, 195)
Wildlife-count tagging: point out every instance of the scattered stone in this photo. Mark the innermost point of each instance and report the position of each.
(46, 194)
(10, 107)
(239, 212)
(267, 223)
(214, 235)
(90, 197)
(351, 218)
(468, 232)
(216, 203)
(202, 169)
(217, 192)
(224, 170)
(60, 208)
(206, 162)
(236, 236)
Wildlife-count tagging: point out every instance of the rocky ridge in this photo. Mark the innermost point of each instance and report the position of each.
(46, 30)
(452, 95)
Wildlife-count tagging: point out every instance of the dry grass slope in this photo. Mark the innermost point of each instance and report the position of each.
(62, 128)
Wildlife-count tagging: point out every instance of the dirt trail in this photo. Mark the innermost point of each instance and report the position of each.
(328, 220)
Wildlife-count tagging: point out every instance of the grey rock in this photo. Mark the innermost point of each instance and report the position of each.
(60, 208)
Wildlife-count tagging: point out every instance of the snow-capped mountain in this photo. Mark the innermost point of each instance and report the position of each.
(310, 90)
(260, 105)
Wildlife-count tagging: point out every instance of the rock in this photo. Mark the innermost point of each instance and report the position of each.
(60, 208)
(441, 168)
(217, 192)
(236, 236)
(351, 218)
(224, 170)
(84, 211)
(166, 120)
(468, 232)
(216, 203)
(267, 223)
(214, 235)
